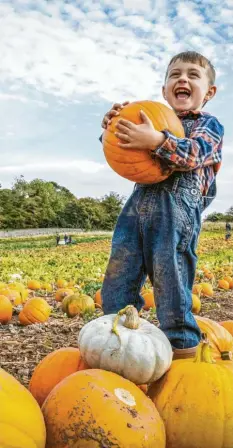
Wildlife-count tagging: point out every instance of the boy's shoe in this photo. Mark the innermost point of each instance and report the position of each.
(183, 353)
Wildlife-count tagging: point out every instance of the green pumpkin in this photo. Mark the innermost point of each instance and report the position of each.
(76, 304)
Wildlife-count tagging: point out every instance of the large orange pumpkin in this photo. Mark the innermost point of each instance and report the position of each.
(135, 164)
(35, 310)
(53, 369)
(96, 408)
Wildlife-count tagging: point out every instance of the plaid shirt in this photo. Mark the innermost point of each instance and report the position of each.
(200, 151)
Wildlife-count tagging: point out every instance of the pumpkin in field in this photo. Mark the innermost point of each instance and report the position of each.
(223, 284)
(221, 341)
(95, 408)
(207, 290)
(22, 294)
(35, 310)
(53, 369)
(228, 325)
(61, 293)
(13, 295)
(195, 401)
(135, 164)
(21, 420)
(46, 286)
(77, 304)
(98, 298)
(34, 285)
(61, 283)
(148, 296)
(196, 304)
(5, 310)
(129, 346)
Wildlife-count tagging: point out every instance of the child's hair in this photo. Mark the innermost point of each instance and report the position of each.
(195, 58)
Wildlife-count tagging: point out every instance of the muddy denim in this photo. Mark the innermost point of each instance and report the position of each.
(156, 235)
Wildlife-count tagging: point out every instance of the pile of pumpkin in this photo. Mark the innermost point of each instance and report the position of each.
(93, 397)
(37, 309)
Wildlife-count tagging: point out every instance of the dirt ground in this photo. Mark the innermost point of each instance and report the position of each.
(21, 348)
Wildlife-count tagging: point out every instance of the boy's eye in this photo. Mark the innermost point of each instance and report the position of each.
(174, 74)
(194, 75)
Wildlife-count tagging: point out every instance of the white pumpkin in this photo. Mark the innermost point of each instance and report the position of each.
(129, 346)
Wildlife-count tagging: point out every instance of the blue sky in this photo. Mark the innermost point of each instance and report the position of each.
(63, 63)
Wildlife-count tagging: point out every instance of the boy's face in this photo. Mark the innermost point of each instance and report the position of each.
(187, 86)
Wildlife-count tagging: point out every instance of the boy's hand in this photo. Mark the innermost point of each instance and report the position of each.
(114, 111)
(139, 136)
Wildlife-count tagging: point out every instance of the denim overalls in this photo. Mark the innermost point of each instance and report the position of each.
(156, 235)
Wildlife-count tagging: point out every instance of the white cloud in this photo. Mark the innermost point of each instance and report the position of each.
(84, 166)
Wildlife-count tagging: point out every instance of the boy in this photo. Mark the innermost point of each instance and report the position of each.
(158, 228)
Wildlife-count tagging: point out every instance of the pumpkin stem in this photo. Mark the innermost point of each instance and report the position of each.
(203, 351)
(131, 320)
(226, 356)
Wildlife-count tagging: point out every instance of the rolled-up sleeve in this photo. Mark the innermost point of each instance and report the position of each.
(203, 148)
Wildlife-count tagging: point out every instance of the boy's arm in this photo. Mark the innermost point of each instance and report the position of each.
(203, 148)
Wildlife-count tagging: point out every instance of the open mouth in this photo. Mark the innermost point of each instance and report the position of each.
(182, 94)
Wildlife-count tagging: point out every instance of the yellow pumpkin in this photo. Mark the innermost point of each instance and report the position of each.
(5, 310)
(134, 164)
(207, 290)
(34, 285)
(195, 401)
(61, 283)
(196, 304)
(21, 421)
(61, 293)
(77, 304)
(35, 310)
(46, 286)
(96, 408)
(221, 341)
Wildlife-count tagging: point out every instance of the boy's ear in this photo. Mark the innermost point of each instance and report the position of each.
(211, 93)
(163, 92)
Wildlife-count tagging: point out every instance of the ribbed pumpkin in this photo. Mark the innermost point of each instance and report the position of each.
(5, 310)
(35, 310)
(77, 304)
(129, 346)
(228, 325)
(221, 341)
(134, 164)
(95, 408)
(21, 421)
(53, 369)
(21, 290)
(195, 401)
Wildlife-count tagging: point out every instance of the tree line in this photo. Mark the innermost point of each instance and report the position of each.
(40, 204)
(220, 217)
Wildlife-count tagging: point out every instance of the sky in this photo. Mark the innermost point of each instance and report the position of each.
(64, 63)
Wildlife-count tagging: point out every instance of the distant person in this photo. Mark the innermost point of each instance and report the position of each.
(228, 226)
(66, 238)
(58, 239)
(69, 239)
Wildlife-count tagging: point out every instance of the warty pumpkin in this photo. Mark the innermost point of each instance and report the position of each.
(221, 341)
(35, 310)
(195, 401)
(95, 408)
(52, 369)
(21, 420)
(134, 164)
(129, 346)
